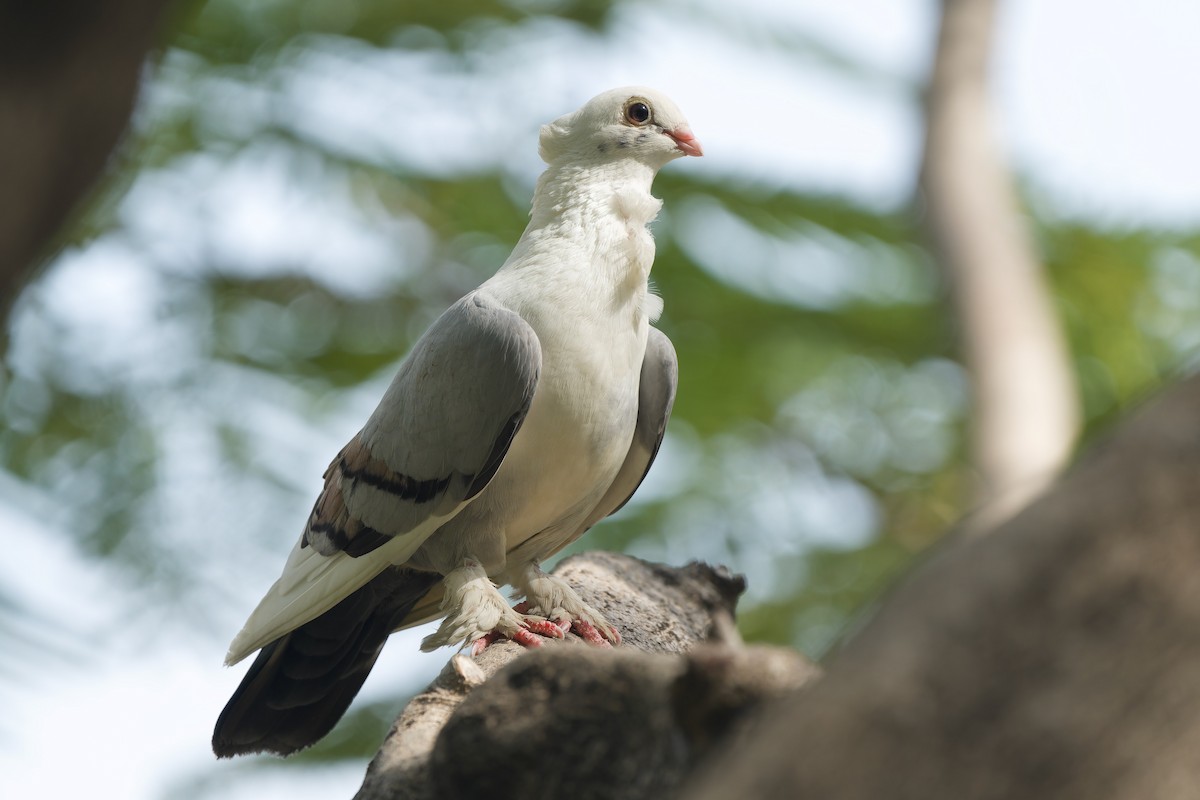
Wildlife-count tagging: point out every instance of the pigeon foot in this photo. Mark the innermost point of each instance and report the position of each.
(527, 636)
(476, 611)
(551, 597)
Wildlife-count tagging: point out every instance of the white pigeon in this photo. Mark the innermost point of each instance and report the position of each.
(531, 409)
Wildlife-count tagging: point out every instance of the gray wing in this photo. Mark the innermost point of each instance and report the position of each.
(435, 441)
(439, 434)
(656, 396)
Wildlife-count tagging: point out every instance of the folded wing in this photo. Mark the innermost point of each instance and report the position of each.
(435, 441)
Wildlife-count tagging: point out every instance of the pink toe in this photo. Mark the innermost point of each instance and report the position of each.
(587, 631)
(526, 638)
(481, 644)
(544, 627)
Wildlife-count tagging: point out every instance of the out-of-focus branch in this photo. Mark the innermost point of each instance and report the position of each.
(69, 72)
(1052, 660)
(1026, 414)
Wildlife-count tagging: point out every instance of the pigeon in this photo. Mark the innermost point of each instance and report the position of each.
(530, 410)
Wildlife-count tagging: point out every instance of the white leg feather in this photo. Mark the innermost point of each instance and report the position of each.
(474, 608)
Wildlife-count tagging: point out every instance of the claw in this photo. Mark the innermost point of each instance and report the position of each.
(526, 638)
(527, 635)
(587, 631)
(545, 627)
(481, 644)
(522, 636)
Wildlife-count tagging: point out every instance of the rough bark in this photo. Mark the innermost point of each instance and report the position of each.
(1026, 414)
(570, 720)
(69, 73)
(1054, 658)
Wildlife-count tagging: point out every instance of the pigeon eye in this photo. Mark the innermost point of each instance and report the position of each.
(637, 112)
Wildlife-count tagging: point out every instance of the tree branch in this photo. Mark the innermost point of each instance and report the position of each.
(576, 721)
(69, 74)
(1053, 658)
(1026, 414)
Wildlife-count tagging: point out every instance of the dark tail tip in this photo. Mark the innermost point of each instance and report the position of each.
(301, 684)
(277, 710)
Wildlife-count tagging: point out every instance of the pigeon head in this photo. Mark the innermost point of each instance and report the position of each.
(632, 122)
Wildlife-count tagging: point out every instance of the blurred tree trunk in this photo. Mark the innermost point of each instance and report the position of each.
(69, 74)
(1053, 659)
(1026, 412)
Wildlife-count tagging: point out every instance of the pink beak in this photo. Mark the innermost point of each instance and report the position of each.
(685, 141)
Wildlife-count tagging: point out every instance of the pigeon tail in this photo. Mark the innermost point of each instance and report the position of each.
(301, 684)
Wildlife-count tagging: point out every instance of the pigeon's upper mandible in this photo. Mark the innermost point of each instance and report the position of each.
(530, 410)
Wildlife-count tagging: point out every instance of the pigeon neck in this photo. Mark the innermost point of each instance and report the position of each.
(565, 190)
(589, 224)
